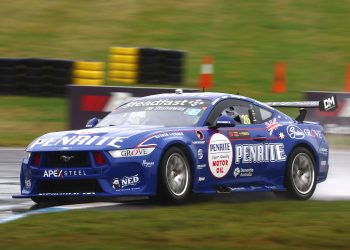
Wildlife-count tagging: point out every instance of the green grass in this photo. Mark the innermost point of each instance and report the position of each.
(255, 225)
(25, 118)
(245, 37)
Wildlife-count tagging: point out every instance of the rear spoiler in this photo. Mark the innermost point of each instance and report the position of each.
(328, 104)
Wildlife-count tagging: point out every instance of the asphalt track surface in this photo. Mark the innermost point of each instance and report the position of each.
(336, 187)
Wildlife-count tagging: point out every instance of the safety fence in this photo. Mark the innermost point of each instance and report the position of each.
(146, 65)
(34, 76)
(47, 77)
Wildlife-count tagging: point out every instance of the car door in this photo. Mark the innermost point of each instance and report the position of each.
(246, 160)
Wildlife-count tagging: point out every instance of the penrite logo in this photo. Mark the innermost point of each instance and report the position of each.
(66, 158)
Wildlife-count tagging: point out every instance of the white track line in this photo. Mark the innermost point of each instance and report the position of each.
(57, 209)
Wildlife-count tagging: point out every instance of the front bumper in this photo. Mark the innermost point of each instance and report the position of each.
(116, 178)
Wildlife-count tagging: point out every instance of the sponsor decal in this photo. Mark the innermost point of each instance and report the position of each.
(220, 155)
(116, 184)
(295, 132)
(164, 102)
(79, 140)
(281, 135)
(63, 173)
(313, 133)
(238, 134)
(167, 135)
(323, 163)
(324, 151)
(147, 164)
(200, 179)
(27, 183)
(329, 104)
(126, 181)
(272, 125)
(131, 152)
(236, 172)
(198, 142)
(200, 154)
(166, 108)
(201, 166)
(257, 153)
(243, 172)
(157, 136)
(59, 194)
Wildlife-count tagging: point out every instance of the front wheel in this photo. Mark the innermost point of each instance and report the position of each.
(174, 176)
(300, 175)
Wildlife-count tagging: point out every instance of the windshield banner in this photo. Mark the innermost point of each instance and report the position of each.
(86, 102)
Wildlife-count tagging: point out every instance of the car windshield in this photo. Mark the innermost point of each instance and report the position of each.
(157, 112)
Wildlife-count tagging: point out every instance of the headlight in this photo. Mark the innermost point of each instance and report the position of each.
(131, 152)
(27, 155)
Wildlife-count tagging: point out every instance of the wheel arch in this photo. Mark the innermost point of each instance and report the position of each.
(186, 149)
(311, 150)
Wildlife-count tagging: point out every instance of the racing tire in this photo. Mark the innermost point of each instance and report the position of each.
(174, 183)
(300, 174)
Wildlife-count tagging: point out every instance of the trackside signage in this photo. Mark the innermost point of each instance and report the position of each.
(86, 102)
(337, 119)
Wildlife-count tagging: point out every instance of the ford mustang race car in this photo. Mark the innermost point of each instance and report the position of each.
(171, 145)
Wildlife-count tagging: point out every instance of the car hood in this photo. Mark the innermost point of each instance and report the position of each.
(105, 138)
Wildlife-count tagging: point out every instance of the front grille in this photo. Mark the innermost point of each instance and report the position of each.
(69, 186)
(66, 159)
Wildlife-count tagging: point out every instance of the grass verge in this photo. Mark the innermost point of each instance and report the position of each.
(25, 118)
(246, 38)
(256, 225)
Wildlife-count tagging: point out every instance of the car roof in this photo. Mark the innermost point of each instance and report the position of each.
(196, 95)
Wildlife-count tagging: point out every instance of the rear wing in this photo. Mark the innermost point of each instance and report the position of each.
(328, 104)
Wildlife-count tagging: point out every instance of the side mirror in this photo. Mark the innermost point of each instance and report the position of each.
(92, 122)
(223, 121)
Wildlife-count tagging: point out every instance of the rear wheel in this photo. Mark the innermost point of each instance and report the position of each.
(301, 174)
(174, 176)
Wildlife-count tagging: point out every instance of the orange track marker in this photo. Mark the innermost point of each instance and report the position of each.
(280, 82)
(206, 75)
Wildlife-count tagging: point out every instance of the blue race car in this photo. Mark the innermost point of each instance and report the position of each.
(172, 145)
